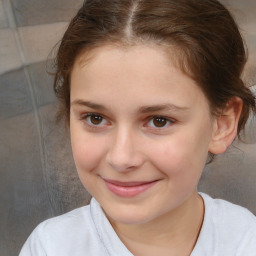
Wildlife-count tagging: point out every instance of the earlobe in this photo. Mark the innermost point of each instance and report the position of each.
(225, 126)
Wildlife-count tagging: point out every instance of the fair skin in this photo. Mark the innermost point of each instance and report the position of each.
(141, 131)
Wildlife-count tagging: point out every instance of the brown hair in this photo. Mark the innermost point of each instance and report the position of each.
(208, 45)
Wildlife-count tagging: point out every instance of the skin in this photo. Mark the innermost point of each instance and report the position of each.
(126, 89)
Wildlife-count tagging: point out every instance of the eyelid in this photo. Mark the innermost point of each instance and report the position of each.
(85, 115)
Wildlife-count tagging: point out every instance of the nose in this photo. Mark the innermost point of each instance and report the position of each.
(124, 152)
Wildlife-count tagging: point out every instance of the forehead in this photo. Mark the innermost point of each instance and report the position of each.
(115, 52)
(133, 74)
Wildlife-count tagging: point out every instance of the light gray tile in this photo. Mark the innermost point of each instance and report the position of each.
(244, 11)
(39, 41)
(250, 71)
(232, 176)
(250, 132)
(36, 12)
(42, 82)
(249, 34)
(36, 183)
(3, 18)
(9, 53)
(15, 98)
(24, 197)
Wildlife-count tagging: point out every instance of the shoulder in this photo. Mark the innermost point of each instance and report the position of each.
(71, 232)
(69, 221)
(227, 228)
(227, 213)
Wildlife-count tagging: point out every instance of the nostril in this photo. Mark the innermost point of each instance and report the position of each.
(122, 161)
(118, 163)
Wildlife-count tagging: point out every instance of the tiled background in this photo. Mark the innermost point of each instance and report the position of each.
(38, 177)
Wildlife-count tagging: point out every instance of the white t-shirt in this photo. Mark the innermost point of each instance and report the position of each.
(228, 230)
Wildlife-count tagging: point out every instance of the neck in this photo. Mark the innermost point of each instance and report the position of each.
(174, 233)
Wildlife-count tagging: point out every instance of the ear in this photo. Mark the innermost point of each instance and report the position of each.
(225, 126)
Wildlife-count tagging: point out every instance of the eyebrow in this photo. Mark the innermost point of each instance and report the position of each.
(161, 107)
(143, 109)
(88, 104)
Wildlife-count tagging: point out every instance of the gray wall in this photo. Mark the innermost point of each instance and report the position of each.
(38, 177)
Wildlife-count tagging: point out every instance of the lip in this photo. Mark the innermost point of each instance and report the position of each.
(128, 189)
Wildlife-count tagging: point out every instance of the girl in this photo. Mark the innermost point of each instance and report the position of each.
(151, 91)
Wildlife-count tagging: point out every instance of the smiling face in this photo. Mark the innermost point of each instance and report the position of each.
(140, 132)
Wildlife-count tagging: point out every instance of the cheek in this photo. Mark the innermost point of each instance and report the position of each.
(179, 157)
(87, 151)
(169, 155)
(84, 158)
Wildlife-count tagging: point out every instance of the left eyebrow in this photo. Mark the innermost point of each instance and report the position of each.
(161, 107)
(88, 104)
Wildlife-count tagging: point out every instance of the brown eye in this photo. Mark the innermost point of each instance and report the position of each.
(94, 119)
(159, 121)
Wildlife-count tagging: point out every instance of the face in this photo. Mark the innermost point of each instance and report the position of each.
(140, 132)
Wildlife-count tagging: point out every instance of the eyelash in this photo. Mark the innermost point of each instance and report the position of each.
(150, 119)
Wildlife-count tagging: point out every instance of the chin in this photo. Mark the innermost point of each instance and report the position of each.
(129, 216)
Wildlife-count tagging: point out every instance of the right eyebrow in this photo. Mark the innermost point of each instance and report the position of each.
(88, 104)
(160, 107)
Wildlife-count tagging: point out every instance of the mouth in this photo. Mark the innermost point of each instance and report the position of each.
(129, 189)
